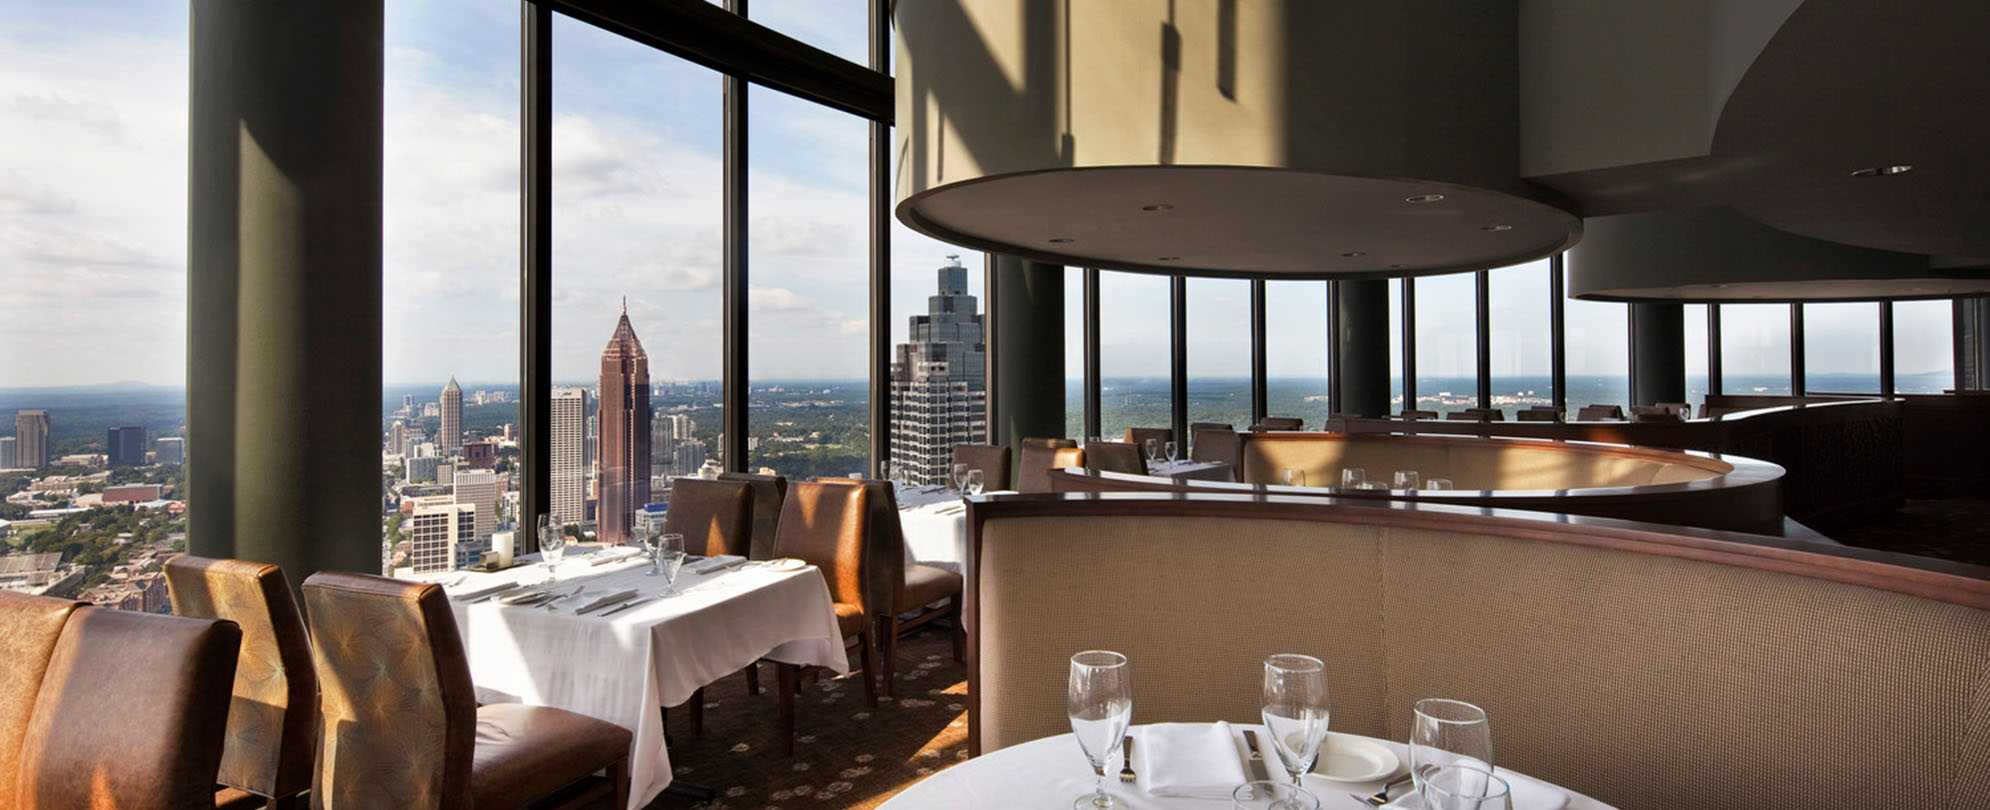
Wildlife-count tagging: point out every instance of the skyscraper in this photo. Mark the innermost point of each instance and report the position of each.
(31, 436)
(434, 528)
(624, 442)
(452, 418)
(938, 396)
(125, 446)
(667, 433)
(479, 488)
(171, 450)
(568, 461)
(9, 456)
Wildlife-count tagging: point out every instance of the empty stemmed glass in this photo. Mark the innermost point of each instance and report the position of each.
(652, 540)
(1295, 710)
(1406, 479)
(1448, 732)
(974, 484)
(552, 543)
(959, 479)
(1100, 702)
(1154, 451)
(670, 557)
(1353, 477)
(1168, 448)
(1464, 787)
(1292, 477)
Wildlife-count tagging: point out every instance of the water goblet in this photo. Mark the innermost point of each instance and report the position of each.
(1099, 700)
(1169, 449)
(1093, 440)
(1270, 795)
(974, 483)
(1448, 732)
(1353, 477)
(670, 557)
(1292, 477)
(1295, 709)
(1406, 479)
(652, 540)
(1437, 483)
(552, 543)
(1153, 450)
(959, 476)
(1465, 787)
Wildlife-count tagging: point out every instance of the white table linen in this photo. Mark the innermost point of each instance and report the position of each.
(622, 668)
(1053, 771)
(934, 522)
(1190, 760)
(1184, 470)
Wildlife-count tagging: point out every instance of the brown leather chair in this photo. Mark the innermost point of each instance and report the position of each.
(991, 459)
(1654, 413)
(29, 628)
(1219, 444)
(907, 586)
(1138, 437)
(1419, 414)
(131, 714)
(1539, 413)
(400, 725)
(1280, 423)
(827, 525)
(715, 517)
(769, 491)
(1033, 468)
(1119, 457)
(1596, 413)
(273, 722)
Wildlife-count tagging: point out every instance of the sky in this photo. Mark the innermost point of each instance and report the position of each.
(93, 213)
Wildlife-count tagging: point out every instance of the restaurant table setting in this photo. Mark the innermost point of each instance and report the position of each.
(613, 635)
(934, 522)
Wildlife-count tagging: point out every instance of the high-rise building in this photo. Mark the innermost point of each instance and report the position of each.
(124, 446)
(479, 488)
(452, 418)
(9, 453)
(667, 431)
(171, 450)
(437, 524)
(568, 501)
(397, 438)
(624, 439)
(938, 394)
(31, 435)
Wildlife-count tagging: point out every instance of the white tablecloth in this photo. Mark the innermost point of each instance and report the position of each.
(1052, 772)
(1191, 470)
(623, 668)
(934, 522)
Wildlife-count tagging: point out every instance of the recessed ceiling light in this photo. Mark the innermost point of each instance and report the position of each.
(1169, 259)
(1157, 207)
(1495, 228)
(1883, 171)
(1062, 240)
(1352, 254)
(1424, 198)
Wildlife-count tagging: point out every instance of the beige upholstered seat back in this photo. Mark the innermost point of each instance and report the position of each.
(1640, 679)
(1469, 465)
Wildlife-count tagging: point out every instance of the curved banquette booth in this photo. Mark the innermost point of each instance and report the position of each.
(1604, 480)
(1645, 666)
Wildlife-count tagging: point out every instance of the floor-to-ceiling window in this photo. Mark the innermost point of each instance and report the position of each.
(1597, 342)
(1397, 403)
(1134, 342)
(1755, 349)
(1841, 348)
(1696, 355)
(93, 242)
(1219, 351)
(1074, 352)
(1296, 348)
(1923, 347)
(1447, 355)
(1520, 356)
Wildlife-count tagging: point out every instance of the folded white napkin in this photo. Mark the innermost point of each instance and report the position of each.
(1189, 760)
(717, 562)
(1523, 793)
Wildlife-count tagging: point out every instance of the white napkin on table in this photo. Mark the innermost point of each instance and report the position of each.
(1189, 760)
(716, 562)
(1523, 793)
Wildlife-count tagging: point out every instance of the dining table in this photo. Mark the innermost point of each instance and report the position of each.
(1053, 771)
(614, 645)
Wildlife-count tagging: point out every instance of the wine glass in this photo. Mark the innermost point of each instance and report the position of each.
(1100, 702)
(1270, 795)
(552, 543)
(1154, 450)
(960, 476)
(1093, 440)
(887, 472)
(1437, 483)
(652, 540)
(974, 484)
(1292, 477)
(1295, 709)
(1353, 477)
(1406, 479)
(1168, 448)
(1448, 732)
(670, 557)
(1465, 787)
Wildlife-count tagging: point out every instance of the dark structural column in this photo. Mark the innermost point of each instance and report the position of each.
(1027, 304)
(733, 289)
(535, 270)
(283, 282)
(880, 231)
(1361, 344)
(1972, 343)
(1658, 353)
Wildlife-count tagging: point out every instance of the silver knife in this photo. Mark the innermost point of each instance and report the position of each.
(1255, 762)
(631, 603)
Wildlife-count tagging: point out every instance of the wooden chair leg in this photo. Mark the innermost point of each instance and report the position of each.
(753, 678)
(618, 780)
(698, 712)
(960, 632)
(870, 682)
(787, 684)
(888, 646)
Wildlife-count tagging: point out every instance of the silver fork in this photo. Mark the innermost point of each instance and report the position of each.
(1381, 797)
(1126, 759)
(548, 604)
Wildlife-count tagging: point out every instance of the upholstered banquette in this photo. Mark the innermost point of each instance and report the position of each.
(1644, 666)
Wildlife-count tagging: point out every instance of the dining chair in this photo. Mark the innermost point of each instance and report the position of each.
(1594, 413)
(1219, 444)
(273, 722)
(1280, 423)
(29, 628)
(1033, 466)
(1653, 413)
(909, 588)
(769, 491)
(1119, 457)
(131, 713)
(399, 721)
(1683, 409)
(1539, 413)
(1048, 442)
(827, 525)
(1138, 436)
(715, 517)
(1465, 416)
(1198, 427)
(1419, 414)
(991, 459)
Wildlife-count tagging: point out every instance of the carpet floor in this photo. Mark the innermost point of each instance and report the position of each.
(847, 755)
(1947, 528)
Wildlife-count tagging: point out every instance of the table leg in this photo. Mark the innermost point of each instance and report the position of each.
(788, 683)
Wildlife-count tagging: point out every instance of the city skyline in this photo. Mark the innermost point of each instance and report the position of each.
(624, 435)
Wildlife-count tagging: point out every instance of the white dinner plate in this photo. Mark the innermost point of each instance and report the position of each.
(1347, 758)
(786, 564)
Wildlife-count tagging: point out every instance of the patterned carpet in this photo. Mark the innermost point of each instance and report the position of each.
(1950, 528)
(846, 754)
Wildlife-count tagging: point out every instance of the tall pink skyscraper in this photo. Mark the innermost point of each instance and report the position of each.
(624, 432)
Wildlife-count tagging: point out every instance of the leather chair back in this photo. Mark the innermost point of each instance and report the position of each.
(715, 517)
(1118, 457)
(1590, 413)
(1219, 444)
(991, 459)
(1033, 468)
(273, 721)
(1280, 423)
(769, 491)
(398, 711)
(884, 551)
(29, 628)
(826, 524)
(1654, 413)
(1138, 437)
(1049, 443)
(132, 713)
(1539, 413)
(1417, 414)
